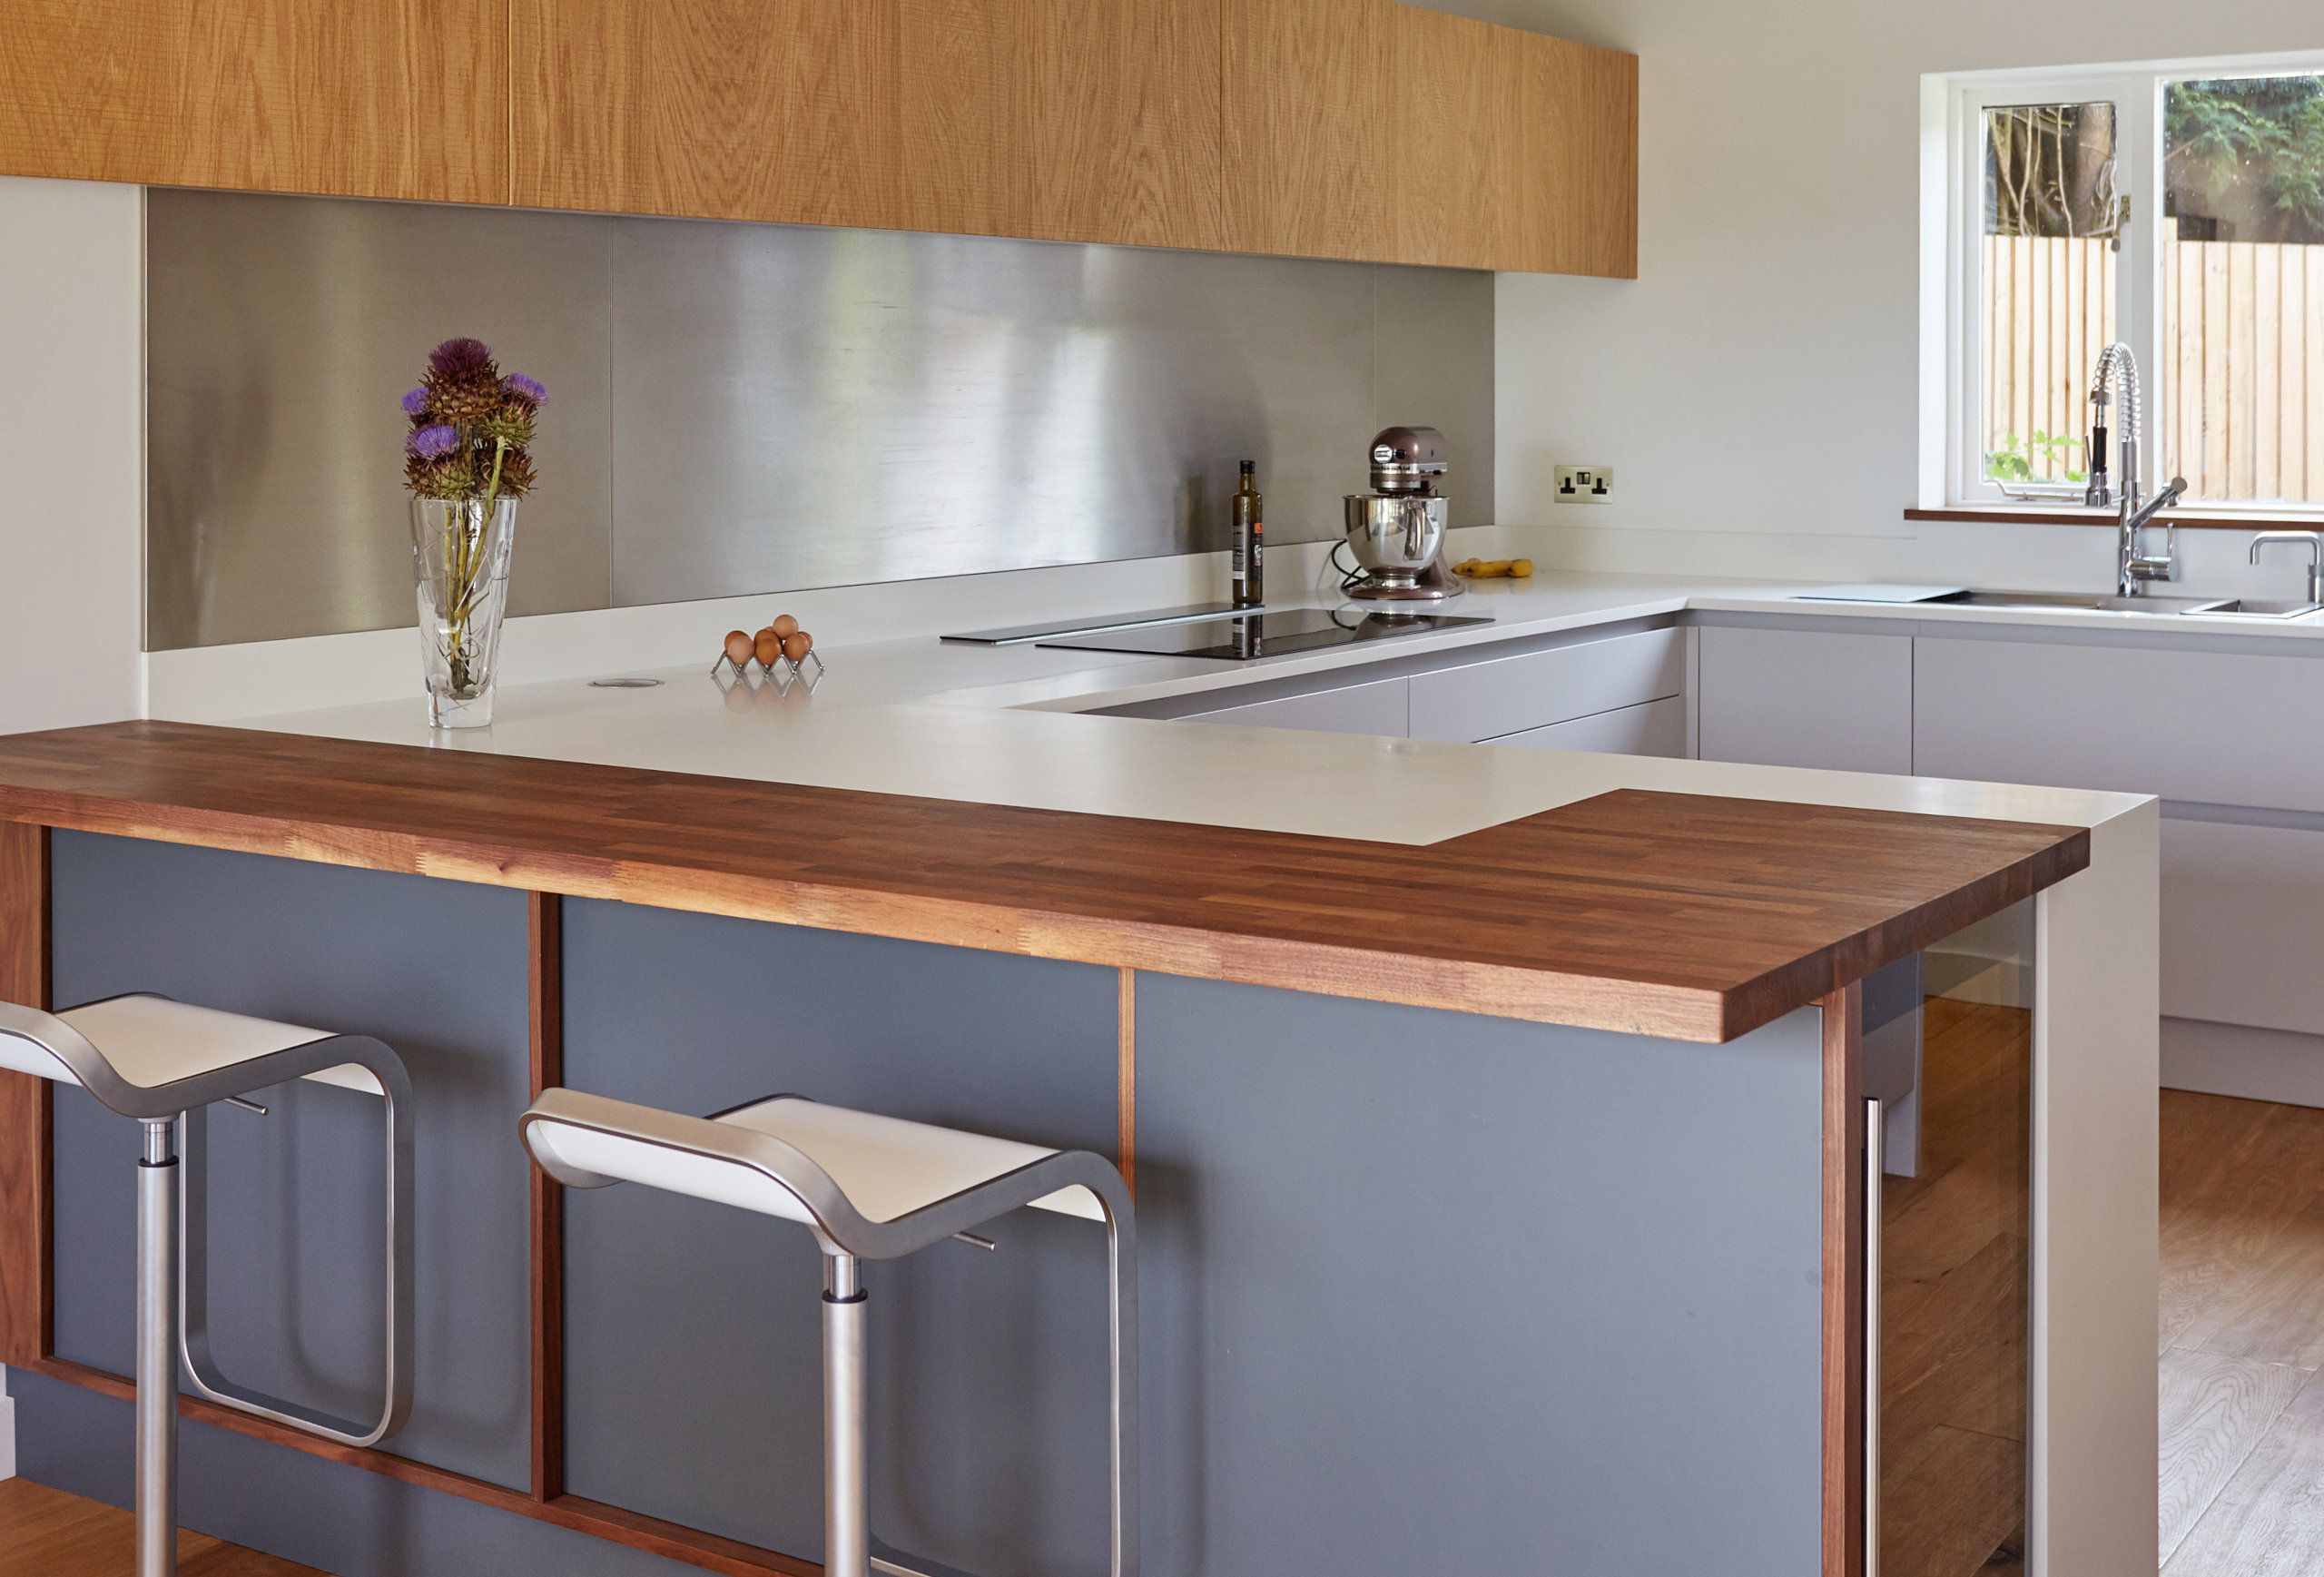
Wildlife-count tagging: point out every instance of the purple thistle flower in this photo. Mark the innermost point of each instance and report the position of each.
(433, 442)
(415, 402)
(461, 357)
(525, 389)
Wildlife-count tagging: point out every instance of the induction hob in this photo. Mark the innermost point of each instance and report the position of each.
(1268, 635)
(1019, 634)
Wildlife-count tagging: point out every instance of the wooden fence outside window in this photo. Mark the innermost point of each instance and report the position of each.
(2237, 408)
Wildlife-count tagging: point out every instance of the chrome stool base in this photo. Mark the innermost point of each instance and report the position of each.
(157, 1351)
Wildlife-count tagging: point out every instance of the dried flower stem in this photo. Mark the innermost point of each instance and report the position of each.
(468, 561)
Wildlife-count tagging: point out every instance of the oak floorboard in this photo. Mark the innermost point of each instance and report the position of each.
(2244, 1243)
(46, 1533)
(2264, 1522)
(2215, 1411)
(1954, 1295)
(1955, 1534)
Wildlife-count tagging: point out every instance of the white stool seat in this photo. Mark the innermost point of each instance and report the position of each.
(886, 1168)
(869, 1188)
(150, 1042)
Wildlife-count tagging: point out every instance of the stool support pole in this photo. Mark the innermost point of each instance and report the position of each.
(157, 1351)
(847, 1533)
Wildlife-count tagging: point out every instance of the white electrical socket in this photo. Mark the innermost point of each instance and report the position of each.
(1585, 485)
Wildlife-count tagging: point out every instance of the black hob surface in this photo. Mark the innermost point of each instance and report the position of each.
(1272, 635)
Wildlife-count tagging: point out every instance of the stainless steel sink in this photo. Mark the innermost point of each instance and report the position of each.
(2232, 607)
(2093, 602)
(2252, 609)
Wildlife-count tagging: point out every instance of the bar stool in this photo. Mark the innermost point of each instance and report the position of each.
(869, 1188)
(163, 1063)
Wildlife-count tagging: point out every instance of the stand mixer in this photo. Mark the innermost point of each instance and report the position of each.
(1396, 531)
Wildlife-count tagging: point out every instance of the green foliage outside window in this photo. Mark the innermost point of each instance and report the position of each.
(2028, 460)
(2246, 154)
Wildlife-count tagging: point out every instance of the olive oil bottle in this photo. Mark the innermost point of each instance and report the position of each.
(1250, 540)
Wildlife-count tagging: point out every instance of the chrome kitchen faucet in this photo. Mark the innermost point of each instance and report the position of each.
(2134, 566)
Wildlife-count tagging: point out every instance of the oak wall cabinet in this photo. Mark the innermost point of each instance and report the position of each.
(387, 98)
(1355, 129)
(1393, 133)
(1055, 120)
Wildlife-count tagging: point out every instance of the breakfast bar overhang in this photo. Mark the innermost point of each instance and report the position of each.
(1502, 1203)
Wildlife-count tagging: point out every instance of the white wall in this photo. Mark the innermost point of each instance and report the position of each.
(1756, 388)
(72, 453)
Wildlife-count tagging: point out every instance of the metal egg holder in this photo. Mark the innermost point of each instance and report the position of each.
(782, 672)
(782, 669)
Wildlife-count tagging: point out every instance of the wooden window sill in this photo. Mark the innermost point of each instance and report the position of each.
(2219, 519)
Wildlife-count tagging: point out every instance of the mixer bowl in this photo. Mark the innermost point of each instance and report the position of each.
(1396, 535)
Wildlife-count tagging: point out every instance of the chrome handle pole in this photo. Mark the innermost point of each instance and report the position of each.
(1874, 1166)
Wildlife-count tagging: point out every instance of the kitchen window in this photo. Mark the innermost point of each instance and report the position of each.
(2180, 210)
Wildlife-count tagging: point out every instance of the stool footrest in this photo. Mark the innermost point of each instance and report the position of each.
(193, 1300)
(894, 1562)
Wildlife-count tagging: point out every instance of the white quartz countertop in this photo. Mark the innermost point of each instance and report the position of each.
(1010, 725)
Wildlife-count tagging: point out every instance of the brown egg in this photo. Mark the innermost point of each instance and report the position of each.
(797, 645)
(739, 646)
(784, 626)
(769, 647)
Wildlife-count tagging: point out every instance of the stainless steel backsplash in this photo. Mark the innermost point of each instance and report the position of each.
(740, 408)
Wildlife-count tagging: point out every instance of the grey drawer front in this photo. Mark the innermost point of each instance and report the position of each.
(1814, 698)
(1657, 728)
(1508, 696)
(2243, 908)
(1378, 707)
(2204, 728)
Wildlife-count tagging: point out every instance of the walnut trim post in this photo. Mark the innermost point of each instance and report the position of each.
(545, 997)
(27, 1264)
(1844, 1271)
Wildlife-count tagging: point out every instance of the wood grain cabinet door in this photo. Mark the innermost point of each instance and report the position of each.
(1305, 136)
(385, 98)
(772, 110)
(1064, 120)
(1116, 107)
(1387, 133)
(1450, 99)
(1565, 181)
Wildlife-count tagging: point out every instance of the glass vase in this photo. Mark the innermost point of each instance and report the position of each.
(459, 562)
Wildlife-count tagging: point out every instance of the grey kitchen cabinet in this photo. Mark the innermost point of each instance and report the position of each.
(2243, 908)
(1379, 707)
(2220, 736)
(1796, 697)
(1655, 728)
(2205, 727)
(1474, 694)
(1498, 696)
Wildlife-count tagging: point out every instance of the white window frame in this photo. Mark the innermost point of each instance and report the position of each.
(1953, 161)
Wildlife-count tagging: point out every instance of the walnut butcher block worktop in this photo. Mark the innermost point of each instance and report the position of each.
(1683, 915)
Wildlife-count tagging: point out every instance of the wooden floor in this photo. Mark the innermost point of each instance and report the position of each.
(45, 1533)
(1954, 1302)
(2242, 1338)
